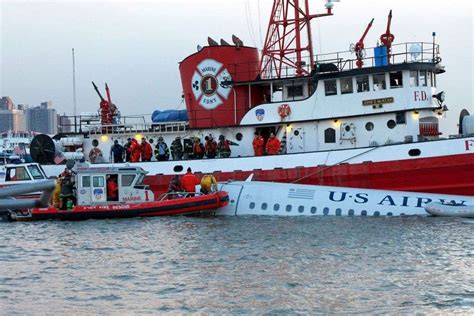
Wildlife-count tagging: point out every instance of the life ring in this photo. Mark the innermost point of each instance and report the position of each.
(284, 110)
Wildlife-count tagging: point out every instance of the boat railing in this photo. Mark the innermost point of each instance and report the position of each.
(127, 125)
(409, 52)
(178, 195)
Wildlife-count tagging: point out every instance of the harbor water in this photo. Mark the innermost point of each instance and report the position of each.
(238, 265)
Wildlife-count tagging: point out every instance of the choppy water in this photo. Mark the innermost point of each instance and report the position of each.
(246, 265)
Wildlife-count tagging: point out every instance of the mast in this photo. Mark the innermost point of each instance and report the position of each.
(284, 53)
(74, 83)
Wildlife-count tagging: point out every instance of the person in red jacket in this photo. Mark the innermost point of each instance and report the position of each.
(189, 182)
(135, 150)
(258, 144)
(146, 150)
(273, 145)
(112, 189)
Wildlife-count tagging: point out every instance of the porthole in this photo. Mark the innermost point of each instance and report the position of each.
(313, 210)
(376, 213)
(363, 213)
(347, 128)
(239, 136)
(264, 206)
(288, 208)
(338, 212)
(350, 212)
(151, 140)
(369, 126)
(178, 168)
(389, 214)
(296, 132)
(276, 207)
(414, 152)
(301, 209)
(326, 210)
(95, 143)
(391, 124)
(252, 205)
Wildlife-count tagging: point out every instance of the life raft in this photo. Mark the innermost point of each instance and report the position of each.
(284, 110)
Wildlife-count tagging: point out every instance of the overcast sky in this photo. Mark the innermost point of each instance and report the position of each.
(135, 46)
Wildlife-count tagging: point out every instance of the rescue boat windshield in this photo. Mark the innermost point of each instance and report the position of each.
(35, 172)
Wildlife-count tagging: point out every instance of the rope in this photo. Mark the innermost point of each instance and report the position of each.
(329, 167)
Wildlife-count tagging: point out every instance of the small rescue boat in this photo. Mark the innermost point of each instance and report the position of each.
(450, 210)
(119, 192)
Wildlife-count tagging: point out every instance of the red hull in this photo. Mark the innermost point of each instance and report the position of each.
(157, 208)
(448, 175)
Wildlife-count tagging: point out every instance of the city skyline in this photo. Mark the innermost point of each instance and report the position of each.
(138, 50)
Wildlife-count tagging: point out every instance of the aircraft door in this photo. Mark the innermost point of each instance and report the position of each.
(234, 190)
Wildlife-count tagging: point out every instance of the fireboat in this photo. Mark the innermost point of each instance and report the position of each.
(367, 117)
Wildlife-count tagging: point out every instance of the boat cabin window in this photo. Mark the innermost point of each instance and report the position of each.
(400, 118)
(98, 181)
(346, 86)
(35, 172)
(86, 181)
(140, 179)
(429, 78)
(17, 174)
(330, 135)
(379, 82)
(396, 79)
(414, 82)
(295, 91)
(330, 87)
(423, 81)
(362, 83)
(127, 179)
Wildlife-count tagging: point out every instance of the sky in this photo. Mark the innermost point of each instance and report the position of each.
(135, 46)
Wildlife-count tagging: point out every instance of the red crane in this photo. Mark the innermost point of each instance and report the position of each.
(358, 48)
(282, 54)
(387, 38)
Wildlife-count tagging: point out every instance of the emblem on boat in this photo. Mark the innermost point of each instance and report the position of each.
(260, 114)
(211, 84)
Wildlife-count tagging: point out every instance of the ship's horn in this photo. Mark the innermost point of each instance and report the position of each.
(212, 42)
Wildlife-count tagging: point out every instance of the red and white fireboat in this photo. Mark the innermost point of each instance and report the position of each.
(367, 118)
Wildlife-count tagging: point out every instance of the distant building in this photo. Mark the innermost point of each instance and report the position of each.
(64, 124)
(46, 105)
(13, 120)
(42, 119)
(6, 103)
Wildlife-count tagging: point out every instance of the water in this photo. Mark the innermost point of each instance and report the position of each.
(238, 265)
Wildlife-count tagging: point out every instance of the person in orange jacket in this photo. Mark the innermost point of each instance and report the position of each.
(112, 189)
(135, 150)
(273, 145)
(189, 182)
(258, 144)
(147, 150)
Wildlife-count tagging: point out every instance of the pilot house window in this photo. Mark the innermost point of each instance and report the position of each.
(362, 83)
(295, 91)
(346, 86)
(330, 135)
(414, 82)
(396, 79)
(379, 82)
(330, 87)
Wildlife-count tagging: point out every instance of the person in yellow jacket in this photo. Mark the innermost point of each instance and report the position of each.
(208, 184)
(56, 200)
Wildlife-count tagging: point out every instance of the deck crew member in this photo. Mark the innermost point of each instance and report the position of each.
(208, 184)
(223, 147)
(112, 189)
(127, 150)
(198, 149)
(273, 145)
(211, 147)
(135, 150)
(189, 182)
(67, 191)
(177, 149)
(174, 187)
(258, 144)
(162, 152)
(147, 150)
(116, 152)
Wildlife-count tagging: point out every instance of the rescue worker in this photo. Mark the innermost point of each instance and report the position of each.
(189, 182)
(56, 199)
(177, 149)
(208, 184)
(223, 147)
(135, 150)
(273, 145)
(147, 151)
(188, 149)
(211, 147)
(128, 151)
(258, 144)
(162, 152)
(112, 189)
(116, 152)
(198, 149)
(67, 191)
(174, 187)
